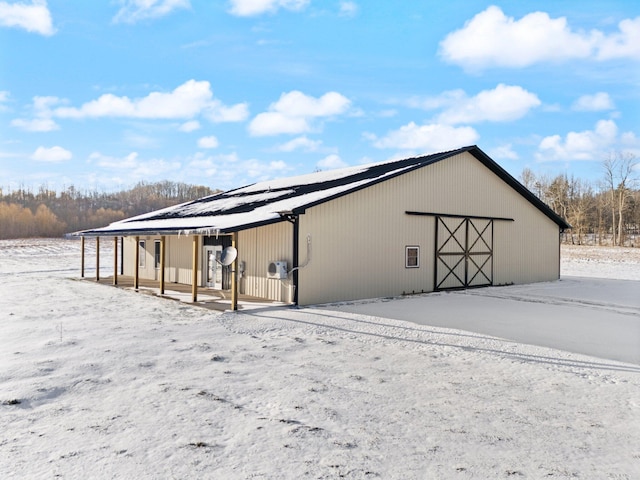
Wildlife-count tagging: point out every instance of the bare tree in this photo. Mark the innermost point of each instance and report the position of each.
(528, 178)
(619, 178)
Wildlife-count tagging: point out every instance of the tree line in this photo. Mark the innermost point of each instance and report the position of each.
(604, 212)
(47, 213)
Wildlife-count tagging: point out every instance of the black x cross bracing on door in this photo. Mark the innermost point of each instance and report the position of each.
(464, 252)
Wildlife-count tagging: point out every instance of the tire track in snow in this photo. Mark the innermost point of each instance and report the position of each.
(607, 307)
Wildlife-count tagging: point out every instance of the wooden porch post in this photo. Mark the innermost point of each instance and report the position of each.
(162, 253)
(194, 271)
(97, 259)
(82, 257)
(115, 260)
(136, 270)
(234, 274)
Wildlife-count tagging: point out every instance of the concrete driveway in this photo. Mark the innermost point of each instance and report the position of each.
(592, 316)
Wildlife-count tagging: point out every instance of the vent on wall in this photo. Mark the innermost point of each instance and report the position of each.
(277, 270)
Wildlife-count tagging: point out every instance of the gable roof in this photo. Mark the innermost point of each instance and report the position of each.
(269, 202)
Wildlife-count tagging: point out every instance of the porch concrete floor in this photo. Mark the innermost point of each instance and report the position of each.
(219, 300)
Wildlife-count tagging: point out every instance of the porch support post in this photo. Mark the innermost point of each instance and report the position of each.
(163, 242)
(194, 271)
(97, 259)
(136, 269)
(234, 275)
(115, 260)
(82, 257)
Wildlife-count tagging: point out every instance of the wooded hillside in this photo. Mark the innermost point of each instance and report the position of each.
(46, 213)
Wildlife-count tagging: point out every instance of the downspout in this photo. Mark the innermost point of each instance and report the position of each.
(295, 221)
(296, 259)
(560, 251)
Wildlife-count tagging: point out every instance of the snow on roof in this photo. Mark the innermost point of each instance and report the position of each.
(270, 201)
(260, 203)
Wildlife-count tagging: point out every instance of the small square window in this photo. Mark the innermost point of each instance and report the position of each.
(412, 257)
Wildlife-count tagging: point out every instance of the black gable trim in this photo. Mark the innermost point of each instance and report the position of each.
(518, 187)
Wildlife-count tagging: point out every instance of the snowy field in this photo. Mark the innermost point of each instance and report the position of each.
(98, 382)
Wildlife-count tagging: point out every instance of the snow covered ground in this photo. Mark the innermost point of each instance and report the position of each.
(600, 262)
(98, 382)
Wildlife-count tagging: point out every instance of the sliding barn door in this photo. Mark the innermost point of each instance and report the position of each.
(464, 252)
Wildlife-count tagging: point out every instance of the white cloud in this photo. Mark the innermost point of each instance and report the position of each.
(186, 101)
(219, 113)
(593, 103)
(133, 11)
(258, 170)
(331, 162)
(300, 143)
(294, 111)
(625, 44)
(53, 154)
(503, 152)
(4, 96)
(297, 104)
(502, 104)
(134, 168)
(208, 142)
(190, 126)
(33, 17)
(431, 137)
(491, 39)
(35, 124)
(228, 170)
(246, 8)
(348, 9)
(42, 113)
(208, 166)
(275, 123)
(585, 145)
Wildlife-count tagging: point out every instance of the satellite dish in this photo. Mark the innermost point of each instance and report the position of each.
(228, 256)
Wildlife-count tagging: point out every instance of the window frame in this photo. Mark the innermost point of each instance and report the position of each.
(156, 254)
(416, 249)
(142, 253)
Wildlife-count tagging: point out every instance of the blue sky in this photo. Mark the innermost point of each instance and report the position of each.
(101, 95)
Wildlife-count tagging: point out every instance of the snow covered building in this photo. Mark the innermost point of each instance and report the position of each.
(443, 221)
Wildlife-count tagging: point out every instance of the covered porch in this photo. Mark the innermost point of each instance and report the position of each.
(217, 300)
(125, 269)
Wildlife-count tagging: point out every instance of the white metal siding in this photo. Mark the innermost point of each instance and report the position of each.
(256, 248)
(359, 240)
(178, 258)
